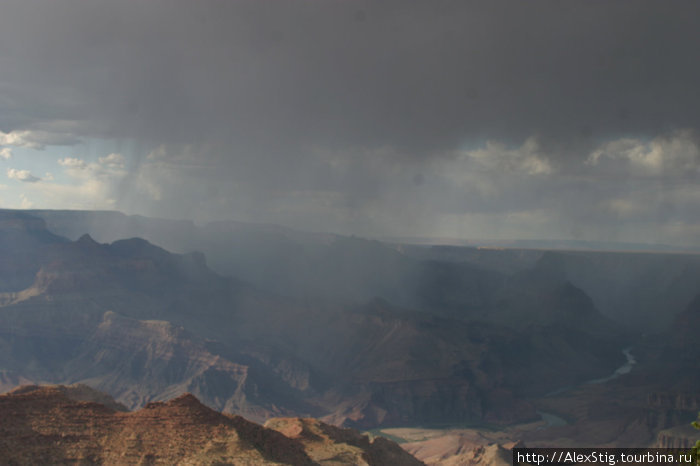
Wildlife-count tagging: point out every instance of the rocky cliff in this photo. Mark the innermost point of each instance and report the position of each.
(146, 325)
(683, 436)
(54, 425)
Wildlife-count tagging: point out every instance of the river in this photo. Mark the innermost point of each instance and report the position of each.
(626, 368)
(552, 420)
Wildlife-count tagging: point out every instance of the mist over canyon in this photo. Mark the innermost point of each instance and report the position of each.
(351, 232)
(356, 332)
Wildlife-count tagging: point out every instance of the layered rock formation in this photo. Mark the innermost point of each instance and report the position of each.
(52, 425)
(146, 325)
(683, 436)
(327, 444)
(642, 289)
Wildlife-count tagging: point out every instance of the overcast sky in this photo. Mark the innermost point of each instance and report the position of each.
(461, 119)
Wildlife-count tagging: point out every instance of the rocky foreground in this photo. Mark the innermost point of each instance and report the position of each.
(77, 425)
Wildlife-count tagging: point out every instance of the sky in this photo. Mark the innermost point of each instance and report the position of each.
(448, 119)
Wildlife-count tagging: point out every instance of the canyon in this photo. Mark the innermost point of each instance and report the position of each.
(457, 343)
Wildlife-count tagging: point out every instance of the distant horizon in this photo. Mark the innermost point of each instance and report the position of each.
(411, 118)
(554, 244)
(557, 244)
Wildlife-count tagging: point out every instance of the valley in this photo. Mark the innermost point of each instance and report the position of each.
(480, 348)
(355, 232)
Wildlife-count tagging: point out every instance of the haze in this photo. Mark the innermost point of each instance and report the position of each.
(558, 120)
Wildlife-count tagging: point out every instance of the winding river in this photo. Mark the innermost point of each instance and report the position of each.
(552, 420)
(626, 368)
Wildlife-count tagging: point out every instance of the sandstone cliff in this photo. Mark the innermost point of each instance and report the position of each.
(54, 425)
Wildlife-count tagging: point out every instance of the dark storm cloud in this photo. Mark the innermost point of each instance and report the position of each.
(340, 106)
(413, 75)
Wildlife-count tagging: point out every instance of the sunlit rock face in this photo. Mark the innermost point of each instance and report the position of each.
(57, 425)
